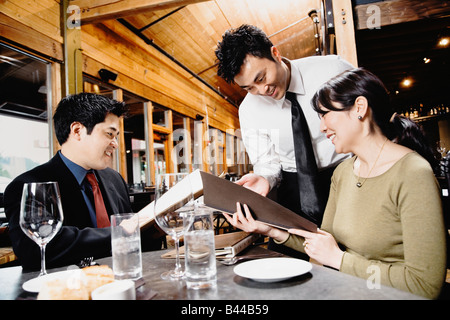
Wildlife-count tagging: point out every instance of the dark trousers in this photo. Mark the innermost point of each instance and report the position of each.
(288, 196)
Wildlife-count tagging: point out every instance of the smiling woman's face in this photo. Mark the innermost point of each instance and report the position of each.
(340, 127)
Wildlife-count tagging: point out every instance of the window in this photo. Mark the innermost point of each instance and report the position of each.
(134, 132)
(24, 112)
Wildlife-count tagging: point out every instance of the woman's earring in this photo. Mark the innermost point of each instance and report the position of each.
(359, 118)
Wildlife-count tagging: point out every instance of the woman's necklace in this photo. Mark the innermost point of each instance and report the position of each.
(359, 183)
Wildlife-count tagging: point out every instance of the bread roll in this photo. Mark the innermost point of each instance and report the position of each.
(96, 276)
(63, 290)
(78, 286)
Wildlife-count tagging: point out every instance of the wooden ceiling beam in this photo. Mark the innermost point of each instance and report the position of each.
(100, 10)
(384, 13)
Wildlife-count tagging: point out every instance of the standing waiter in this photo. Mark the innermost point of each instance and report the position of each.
(280, 130)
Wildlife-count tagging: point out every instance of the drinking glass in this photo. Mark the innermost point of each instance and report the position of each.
(174, 203)
(41, 214)
(200, 254)
(126, 246)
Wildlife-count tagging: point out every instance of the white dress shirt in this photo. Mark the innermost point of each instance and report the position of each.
(266, 123)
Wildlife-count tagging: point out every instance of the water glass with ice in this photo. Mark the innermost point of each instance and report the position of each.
(200, 257)
(126, 246)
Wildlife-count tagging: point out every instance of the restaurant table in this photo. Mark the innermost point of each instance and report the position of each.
(320, 283)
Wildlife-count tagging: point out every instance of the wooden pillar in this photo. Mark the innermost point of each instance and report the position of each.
(214, 148)
(73, 74)
(121, 165)
(224, 152)
(56, 93)
(240, 156)
(169, 142)
(197, 158)
(149, 144)
(345, 30)
(206, 140)
(230, 150)
(187, 143)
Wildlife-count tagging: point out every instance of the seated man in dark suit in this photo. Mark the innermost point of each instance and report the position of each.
(86, 126)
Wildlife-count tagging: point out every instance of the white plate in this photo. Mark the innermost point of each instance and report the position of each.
(35, 284)
(117, 290)
(272, 269)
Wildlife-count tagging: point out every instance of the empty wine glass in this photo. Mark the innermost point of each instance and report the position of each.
(41, 214)
(441, 148)
(174, 203)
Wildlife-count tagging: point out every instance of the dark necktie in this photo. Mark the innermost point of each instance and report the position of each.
(100, 210)
(312, 201)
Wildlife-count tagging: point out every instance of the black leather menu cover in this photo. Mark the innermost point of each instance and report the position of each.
(222, 195)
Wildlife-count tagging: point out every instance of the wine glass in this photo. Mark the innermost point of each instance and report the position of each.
(174, 203)
(441, 148)
(41, 214)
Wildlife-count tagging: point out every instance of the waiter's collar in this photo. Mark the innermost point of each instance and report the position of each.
(296, 84)
(78, 171)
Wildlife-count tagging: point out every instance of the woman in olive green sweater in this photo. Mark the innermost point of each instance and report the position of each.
(383, 217)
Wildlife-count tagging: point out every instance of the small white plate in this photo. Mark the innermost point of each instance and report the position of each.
(272, 269)
(35, 284)
(117, 290)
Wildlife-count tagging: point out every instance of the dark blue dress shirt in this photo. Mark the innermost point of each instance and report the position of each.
(86, 188)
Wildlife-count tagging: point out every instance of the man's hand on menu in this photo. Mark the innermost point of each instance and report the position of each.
(255, 183)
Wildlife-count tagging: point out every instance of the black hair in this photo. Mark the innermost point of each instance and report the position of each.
(349, 85)
(236, 45)
(87, 108)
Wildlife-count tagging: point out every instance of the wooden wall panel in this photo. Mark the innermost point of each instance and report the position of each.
(40, 15)
(97, 11)
(111, 45)
(398, 11)
(30, 38)
(345, 31)
(191, 34)
(35, 24)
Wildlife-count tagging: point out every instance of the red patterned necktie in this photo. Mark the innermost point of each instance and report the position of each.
(100, 210)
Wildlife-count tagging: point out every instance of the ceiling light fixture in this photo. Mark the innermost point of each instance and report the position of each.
(406, 82)
(426, 60)
(444, 42)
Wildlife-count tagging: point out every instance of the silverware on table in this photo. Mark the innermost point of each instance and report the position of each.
(86, 262)
(236, 259)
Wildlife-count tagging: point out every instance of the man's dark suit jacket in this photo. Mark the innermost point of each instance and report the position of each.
(77, 238)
